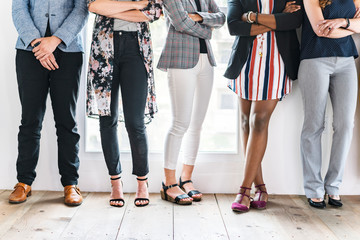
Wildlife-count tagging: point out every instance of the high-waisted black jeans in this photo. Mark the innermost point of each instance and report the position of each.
(34, 83)
(130, 77)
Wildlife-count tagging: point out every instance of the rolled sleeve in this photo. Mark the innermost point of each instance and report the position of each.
(214, 18)
(236, 26)
(289, 21)
(153, 11)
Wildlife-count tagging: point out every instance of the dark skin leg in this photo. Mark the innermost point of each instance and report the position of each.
(255, 117)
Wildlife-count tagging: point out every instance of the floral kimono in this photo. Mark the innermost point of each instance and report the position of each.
(101, 63)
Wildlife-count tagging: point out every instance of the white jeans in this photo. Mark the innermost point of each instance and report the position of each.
(190, 91)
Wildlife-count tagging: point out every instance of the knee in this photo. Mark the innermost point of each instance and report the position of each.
(108, 122)
(343, 125)
(179, 128)
(259, 122)
(135, 126)
(244, 123)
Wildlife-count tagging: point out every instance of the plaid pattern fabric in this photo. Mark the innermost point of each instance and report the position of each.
(182, 47)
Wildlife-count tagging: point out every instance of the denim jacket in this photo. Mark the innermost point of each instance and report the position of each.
(66, 18)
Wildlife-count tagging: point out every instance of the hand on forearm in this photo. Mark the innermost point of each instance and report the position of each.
(291, 7)
(49, 63)
(195, 17)
(258, 29)
(46, 46)
(131, 16)
(109, 8)
(267, 20)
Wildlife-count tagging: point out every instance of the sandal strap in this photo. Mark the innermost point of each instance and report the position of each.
(243, 194)
(117, 200)
(246, 188)
(193, 192)
(141, 179)
(182, 183)
(260, 185)
(180, 197)
(165, 188)
(117, 178)
(141, 199)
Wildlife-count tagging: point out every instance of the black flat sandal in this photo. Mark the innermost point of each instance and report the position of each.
(142, 199)
(177, 200)
(190, 193)
(117, 199)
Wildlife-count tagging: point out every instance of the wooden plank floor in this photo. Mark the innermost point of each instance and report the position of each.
(44, 216)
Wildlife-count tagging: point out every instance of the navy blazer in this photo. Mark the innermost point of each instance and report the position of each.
(66, 17)
(285, 32)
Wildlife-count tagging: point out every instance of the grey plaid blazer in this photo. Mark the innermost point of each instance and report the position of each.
(182, 47)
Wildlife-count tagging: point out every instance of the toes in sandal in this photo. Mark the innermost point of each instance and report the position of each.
(142, 199)
(237, 206)
(121, 200)
(190, 193)
(178, 198)
(259, 204)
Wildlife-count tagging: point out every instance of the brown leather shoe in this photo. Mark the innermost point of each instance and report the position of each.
(72, 195)
(20, 194)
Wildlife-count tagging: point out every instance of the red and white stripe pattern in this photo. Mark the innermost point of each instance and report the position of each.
(263, 76)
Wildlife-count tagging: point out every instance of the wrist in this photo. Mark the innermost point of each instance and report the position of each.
(253, 17)
(56, 40)
(248, 17)
(347, 23)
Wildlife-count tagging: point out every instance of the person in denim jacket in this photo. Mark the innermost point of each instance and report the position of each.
(48, 59)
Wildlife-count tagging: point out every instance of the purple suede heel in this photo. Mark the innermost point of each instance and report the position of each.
(259, 204)
(237, 206)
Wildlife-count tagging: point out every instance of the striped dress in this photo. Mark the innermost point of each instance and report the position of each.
(263, 76)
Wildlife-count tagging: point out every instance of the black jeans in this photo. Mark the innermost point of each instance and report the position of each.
(131, 76)
(34, 83)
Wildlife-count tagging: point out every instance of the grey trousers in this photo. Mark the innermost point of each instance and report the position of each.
(318, 77)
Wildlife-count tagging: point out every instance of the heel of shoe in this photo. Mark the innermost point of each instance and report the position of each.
(163, 195)
(29, 194)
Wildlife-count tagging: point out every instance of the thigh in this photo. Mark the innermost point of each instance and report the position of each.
(33, 84)
(314, 81)
(134, 87)
(263, 109)
(64, 83)
(182, 84)
(343, 90)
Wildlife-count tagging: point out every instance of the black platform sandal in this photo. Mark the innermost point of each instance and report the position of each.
(190, 193)
(121, 200)
(178, 198)
(142, 199)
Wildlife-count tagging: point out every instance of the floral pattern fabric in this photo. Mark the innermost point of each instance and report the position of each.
(101, 62)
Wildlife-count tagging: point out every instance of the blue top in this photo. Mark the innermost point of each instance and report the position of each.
(66, 18)
(313, 46)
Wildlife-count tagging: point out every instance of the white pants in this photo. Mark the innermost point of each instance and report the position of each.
(190, 91)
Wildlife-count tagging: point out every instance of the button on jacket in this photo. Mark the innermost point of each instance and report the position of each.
(66, 18)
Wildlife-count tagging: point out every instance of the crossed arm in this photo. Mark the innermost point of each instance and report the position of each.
(330, 28)
(290, 18)
(127, 10)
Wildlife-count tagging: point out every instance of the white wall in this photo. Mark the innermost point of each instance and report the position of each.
(214, 173)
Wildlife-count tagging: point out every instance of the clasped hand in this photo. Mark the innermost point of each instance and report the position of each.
(43, 51)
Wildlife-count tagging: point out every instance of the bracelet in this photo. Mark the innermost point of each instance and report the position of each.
(248, 17)
(348, 23)
(256, 18)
